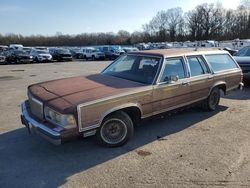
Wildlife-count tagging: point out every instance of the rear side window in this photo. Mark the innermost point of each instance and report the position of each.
(197, 66)
(221, 62)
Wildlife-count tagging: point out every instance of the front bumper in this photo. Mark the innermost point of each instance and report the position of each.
(25, 60)
(44, 58)
(37, 127)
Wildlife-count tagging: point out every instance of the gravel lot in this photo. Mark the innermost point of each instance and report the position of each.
(189, 149)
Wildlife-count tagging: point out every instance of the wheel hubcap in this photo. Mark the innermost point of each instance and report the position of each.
(113, 131)
(214, 99)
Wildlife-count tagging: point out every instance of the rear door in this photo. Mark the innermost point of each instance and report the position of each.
(201, 78)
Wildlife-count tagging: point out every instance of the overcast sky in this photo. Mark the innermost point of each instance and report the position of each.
(47, 17)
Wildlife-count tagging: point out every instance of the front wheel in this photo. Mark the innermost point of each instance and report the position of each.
(116, 130)
(211, 103)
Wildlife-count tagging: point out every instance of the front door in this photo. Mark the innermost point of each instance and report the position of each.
(173, 89)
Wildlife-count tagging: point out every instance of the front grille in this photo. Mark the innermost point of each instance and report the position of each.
(66, 55)
(36, 107)
(25, 57)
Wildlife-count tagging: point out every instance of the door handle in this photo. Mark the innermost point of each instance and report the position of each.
(210, 77)
(185, 83)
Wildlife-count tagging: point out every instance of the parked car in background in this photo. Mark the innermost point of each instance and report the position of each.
(92, 53)
(41, 48)
(27, 49)
(18, 56)
(3, 48)
(76, 53)
(130, 49)
(16, 46)
(110, 52)
(243, 59)
(60, 54)
(135, 86)
(2, 58)
(231, 51)
(41, 55)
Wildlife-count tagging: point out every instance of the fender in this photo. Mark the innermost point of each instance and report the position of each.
(127, 105)
(218, 83)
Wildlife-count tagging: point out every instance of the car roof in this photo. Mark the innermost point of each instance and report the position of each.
(181, 52)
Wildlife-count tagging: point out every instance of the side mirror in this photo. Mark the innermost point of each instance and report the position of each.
(171, 78)
(174, 78)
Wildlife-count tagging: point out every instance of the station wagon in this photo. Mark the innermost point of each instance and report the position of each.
(136, 86)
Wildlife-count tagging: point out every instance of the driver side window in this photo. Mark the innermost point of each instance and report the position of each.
(173, 67)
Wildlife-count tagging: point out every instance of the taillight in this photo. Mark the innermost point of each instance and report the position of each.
(241, 76)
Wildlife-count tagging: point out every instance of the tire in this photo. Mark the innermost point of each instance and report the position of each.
(93, 58)
(115, 130)
(212, 102)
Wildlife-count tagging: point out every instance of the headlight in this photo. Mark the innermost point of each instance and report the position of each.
(65, 121)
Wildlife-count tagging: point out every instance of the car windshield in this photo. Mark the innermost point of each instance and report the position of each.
(20, 52)
(96, 50)
(63, 51)
(42, 52)
(140, 69)
(77, 51)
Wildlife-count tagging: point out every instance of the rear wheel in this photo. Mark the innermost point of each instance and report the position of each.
(116, 130)
(211, 103)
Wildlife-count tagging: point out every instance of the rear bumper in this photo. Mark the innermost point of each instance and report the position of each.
(34, 126)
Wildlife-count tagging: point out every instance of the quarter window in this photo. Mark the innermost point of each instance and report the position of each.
(220, 62)
(173, 67)
(197, 66)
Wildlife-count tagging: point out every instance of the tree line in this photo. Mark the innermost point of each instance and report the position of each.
(204, 22)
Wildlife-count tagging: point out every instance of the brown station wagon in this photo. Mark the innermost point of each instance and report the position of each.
(135, 86)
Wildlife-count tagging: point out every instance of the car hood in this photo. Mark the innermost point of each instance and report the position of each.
(65, 94)
(48, 55)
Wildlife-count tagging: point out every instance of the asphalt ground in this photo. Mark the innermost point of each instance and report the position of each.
(191, 148)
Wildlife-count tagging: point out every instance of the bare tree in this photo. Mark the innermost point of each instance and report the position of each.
(174, 19)
(206, 21)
